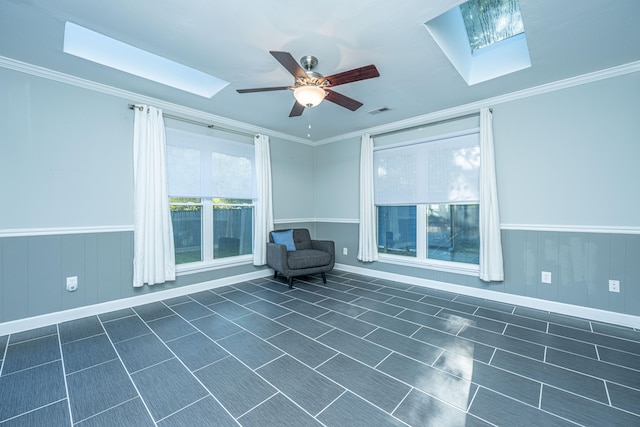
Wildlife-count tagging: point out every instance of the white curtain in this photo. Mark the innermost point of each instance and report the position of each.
(153, 250)
(491, 264)
(264, 204)
(368, 243)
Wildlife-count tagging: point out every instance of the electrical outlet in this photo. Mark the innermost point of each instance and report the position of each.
(614, 286)
(345, 251)
(72, 283)
(546, 277)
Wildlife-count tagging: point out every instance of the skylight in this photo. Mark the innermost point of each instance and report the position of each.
(96, 47)
(483, 39)
(490, 21)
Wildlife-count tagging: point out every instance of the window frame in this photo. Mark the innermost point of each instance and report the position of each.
(421, 260)
(211, 241)
(208, 262)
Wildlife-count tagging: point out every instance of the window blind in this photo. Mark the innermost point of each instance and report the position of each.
(205, 167)
(436, 171)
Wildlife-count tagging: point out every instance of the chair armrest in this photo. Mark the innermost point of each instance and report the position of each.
(324, 245)
(277, 257)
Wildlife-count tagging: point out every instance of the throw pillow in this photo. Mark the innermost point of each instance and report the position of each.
(284, 238)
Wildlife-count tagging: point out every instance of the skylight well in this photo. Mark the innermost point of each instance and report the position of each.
(96, 47)
(483, 39)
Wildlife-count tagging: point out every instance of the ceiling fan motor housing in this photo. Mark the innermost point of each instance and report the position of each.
(308, 63)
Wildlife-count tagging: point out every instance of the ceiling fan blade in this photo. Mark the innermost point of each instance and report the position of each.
(262, 89)
(342, 100)
(362, 73)
(288, 62)
(297, 110)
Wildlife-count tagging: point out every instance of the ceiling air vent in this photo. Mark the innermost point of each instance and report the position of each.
(379, 110)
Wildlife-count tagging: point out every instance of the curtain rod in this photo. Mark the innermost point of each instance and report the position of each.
(184, 119)
(437, 122)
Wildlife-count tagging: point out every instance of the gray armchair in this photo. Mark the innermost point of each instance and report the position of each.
(309, 256)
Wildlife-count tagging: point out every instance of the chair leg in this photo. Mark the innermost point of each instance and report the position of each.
(275, 274)
(290, 282)
(324, 278)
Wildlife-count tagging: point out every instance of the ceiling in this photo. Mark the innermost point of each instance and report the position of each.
(232, 39)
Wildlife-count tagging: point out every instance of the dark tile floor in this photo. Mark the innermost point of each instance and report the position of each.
(358, 351)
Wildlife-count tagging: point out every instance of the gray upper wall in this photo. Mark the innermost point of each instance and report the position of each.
(66, 158)
(564, 158)
(293, 180)
(66, 155)
(570, 157)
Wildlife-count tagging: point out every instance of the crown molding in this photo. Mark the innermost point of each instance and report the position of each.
(449, 113)
(137, 98)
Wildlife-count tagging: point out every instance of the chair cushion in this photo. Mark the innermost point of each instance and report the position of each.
(307, 258)
(302, 238)
(284, 238)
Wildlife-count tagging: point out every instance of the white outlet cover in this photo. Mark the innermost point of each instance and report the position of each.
(614, 286)
(72, 283)
(546, 277)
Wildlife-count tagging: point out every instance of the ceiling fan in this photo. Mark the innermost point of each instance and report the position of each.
(310, 87)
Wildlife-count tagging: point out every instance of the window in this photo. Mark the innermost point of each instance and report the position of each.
(397, 230)
(453, 233)
(211, 195)
(427, 198)
(232, 227)
(186, 218)
(491, 21)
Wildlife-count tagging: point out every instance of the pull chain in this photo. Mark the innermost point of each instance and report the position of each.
(309, 120)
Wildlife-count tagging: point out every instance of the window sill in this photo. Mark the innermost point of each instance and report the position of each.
(445, 266)
(199, 267)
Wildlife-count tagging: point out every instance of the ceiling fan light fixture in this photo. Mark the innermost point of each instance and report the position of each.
(309, 96)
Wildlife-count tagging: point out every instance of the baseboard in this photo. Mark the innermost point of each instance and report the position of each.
(539, 304)
(20, 325)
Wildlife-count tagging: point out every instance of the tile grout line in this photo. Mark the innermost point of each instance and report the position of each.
(108, 409)
(540, 396)
(146, 407)
(547, 324)
(4, 355)
(377, 327)
(473, 398)
(338, 384)
(541, 384)
(545, 348)
(411, 388)
(606, 389)
(345, 391)
(237, 359)
(187, 368)
(64, 374)
(341, 353)
(254, 371)
(264, 401)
